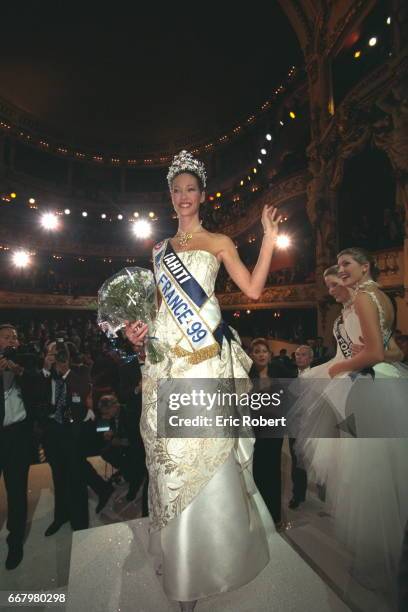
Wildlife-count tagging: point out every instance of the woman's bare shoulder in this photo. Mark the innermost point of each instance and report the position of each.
(220, 239)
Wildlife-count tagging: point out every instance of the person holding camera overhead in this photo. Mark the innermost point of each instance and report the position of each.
(17, 388)
(65, 395)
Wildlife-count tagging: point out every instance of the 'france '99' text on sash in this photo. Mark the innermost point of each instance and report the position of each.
(185, 298)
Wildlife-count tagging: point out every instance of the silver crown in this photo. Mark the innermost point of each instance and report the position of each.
(186, 162)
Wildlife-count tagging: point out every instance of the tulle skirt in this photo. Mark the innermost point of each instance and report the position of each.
(340, 443)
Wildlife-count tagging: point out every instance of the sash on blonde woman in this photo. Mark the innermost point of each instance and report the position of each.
(342, 337)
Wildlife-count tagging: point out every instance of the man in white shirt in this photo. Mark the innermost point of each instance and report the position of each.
(304, 357)
(15, 443)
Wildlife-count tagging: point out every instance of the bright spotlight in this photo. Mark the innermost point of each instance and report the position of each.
(31, 201)
(283, 241)
(151, 215)
(268, 137)
(103, 216)
(388, 20)
(13, 195)
(120, 217)
(21, 259)
(292, 115)
(357, 54)
(263, 151)
(142, 229)
(373, 41)
(136, 215)
(84, 213)
(67, 211)
(259, 161)
(49, 221)
(281, 122)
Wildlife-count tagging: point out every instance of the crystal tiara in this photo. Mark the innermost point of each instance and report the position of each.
(186, 162)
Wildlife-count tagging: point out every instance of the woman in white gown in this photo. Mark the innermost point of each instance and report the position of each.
(365, 476)
(209, 525)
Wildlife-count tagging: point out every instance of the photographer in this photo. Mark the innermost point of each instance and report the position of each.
(17, 391)
(116, 448)
(65, 396)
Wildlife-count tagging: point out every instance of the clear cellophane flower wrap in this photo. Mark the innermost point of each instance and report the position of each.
(129, 295)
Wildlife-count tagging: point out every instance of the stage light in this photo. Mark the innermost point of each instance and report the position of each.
(254, 170)
(142, 229)
(268, 137)
(357, 54)
(103, 216)
(283, 241)
(31, 201)
(259, 161)
(13, 195)
(263, 151)
(292, 115)
(84, 213)
(21, 259)
(218, 194)
(241, 183)
(67, 211)
(281, 122)
(388, 20)
(248, 311)
(373, 41)
(151, 215)
(136, 215)
(49, 221)
(120, 217)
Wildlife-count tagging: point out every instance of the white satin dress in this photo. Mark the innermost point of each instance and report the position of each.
(209, 524)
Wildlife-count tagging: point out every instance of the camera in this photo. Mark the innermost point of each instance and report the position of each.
(61, 351)
(9, 353)
(21, 356)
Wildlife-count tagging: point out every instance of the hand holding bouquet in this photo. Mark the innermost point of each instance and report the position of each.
(128, 300)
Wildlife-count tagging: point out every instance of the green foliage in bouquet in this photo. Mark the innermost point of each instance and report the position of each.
(129, 295)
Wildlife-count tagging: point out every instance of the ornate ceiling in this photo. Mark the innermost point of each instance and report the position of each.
(121, 79)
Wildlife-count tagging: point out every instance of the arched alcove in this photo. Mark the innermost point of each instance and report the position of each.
(366, 205)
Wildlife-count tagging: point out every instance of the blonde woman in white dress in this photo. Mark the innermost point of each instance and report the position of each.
(366, 470)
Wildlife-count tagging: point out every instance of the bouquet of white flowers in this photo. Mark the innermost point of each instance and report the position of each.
(129, 295)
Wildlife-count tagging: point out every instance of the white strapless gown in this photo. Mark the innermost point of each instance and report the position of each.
(209, 524)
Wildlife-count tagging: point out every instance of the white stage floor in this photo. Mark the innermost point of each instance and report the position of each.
(111, 570)
(48, 562)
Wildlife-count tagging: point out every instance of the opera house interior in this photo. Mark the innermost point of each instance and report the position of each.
(294, 105)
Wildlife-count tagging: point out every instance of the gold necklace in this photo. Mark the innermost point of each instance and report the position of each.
(183, 238)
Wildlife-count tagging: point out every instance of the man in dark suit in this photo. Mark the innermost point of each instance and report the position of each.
(17, 387)
(130, 394)
(304, 359)
(66, 394)
(320, 352)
